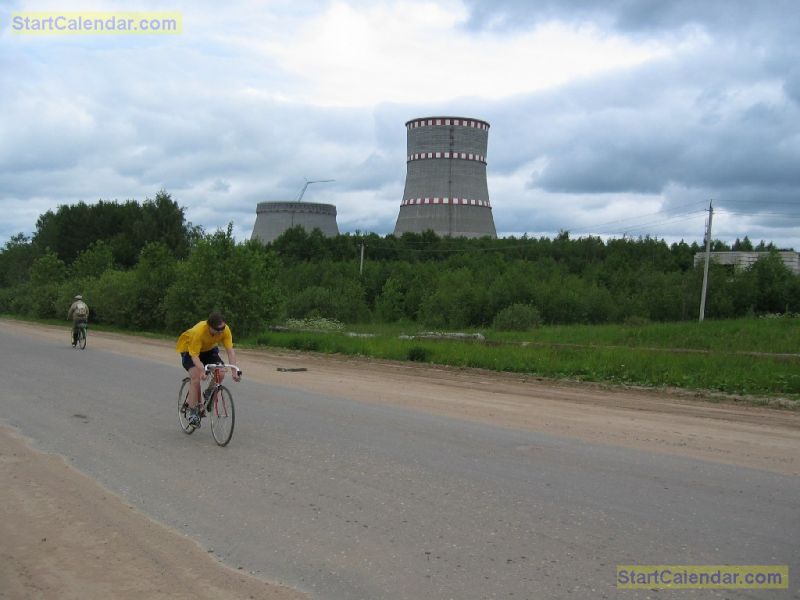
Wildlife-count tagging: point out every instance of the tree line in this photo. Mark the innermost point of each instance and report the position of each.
(143, 266)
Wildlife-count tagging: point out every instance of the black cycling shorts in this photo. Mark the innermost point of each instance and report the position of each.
(211, 357)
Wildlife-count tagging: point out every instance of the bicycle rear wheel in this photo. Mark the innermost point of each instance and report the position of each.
(82, 338)
(222, 415)
(183, 397)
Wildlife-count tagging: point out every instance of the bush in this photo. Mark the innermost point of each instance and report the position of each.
(636, 321)
(389, 306)
(47, 270)
(43, 302)
(94, 261)
(517, 317)
(457, 301)
(154, 274)
(418, 354)
(220, 275)
(342, 303)
(111, 297)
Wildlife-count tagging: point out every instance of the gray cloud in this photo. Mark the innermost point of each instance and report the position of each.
(638, 16)
(791, 85)
(716, 124)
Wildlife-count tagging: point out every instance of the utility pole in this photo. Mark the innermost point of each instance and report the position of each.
(361, 268)
(708, 259)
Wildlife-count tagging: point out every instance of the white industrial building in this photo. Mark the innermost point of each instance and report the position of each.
(744, 260)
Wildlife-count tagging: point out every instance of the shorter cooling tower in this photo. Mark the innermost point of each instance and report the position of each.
(446, 189)
(273, 218)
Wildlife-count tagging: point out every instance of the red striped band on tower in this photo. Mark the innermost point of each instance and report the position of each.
(459, 201)
(456, 155)
(447, 122)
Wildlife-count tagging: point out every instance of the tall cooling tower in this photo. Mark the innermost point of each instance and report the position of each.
(446, 187)
(273, 218)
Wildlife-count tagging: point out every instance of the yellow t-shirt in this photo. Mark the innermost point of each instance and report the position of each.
(199, 339)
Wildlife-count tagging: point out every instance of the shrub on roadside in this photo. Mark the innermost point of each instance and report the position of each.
(517, 317)
(418, 354)
(636, 321)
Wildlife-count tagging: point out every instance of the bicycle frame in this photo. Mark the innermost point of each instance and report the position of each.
(218, 374)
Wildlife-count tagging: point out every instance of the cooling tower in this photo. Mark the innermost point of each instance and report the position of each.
(273, 218)
(446, 187)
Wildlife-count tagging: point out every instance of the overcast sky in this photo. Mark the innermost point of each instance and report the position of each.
(613, 117)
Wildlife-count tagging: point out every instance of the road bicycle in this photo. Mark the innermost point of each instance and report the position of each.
(81, 339)
(216, 404)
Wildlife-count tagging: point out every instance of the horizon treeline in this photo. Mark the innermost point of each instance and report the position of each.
(143, 266)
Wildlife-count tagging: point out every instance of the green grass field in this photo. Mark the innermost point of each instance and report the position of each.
(754, 357)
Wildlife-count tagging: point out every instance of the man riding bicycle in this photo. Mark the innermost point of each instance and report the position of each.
(198, 347)
(79, 313)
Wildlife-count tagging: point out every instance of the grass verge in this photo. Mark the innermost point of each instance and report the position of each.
(749, 357)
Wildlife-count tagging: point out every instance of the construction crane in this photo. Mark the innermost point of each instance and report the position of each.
(303, 191)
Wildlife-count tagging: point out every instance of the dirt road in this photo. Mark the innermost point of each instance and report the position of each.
(64, 536)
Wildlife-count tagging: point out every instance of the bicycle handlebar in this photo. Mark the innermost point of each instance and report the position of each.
(209, 368)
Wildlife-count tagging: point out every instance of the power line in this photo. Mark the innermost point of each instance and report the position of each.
(660, 212)
(789, 202)
(759, 214)
(654, 224)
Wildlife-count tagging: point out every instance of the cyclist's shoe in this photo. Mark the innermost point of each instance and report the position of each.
(192, 417)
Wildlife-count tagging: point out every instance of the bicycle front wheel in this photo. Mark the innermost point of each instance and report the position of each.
(222, 415)
(82, 338)
(183, 403)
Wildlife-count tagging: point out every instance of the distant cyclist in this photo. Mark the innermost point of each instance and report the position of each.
(79, 313)
(198, 347)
